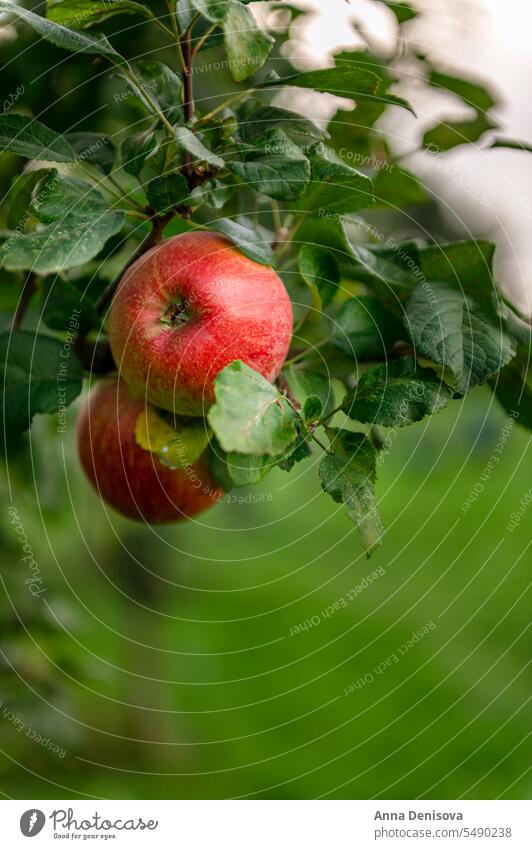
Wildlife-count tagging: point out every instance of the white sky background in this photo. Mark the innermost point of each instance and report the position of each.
(491, 41)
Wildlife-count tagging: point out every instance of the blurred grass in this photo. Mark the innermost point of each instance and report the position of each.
(164, 662)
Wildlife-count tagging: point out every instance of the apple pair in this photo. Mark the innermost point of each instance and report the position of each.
(181, 313)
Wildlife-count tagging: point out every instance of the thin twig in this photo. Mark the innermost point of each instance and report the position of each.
(150, 240)
(28, 291)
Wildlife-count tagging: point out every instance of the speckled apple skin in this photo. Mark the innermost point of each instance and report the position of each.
(127, 477)
(238, 310)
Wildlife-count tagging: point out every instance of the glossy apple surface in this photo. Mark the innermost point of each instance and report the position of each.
(189, 307)
(129, 478)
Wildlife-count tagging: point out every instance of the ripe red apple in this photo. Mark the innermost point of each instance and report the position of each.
(189, 307)
(130, 479)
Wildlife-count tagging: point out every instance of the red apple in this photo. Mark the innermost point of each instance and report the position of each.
(189, 307)
(130, 479)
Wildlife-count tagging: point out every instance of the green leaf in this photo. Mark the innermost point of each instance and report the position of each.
(398, 188)
(335, 188)
(355, 81)
(449, 329)
(403, 11)
(67, 39)
(28, 137)
(274, 166)
(214, 10)
(40, 375)
(135, 149)
(162, 85)
(246, 45)
(78, 14)
(79, 224)
(189, 141)
(167, 192)
(20, 196)
(321, 273)
(55, 197)
(296, 453)
(446, 135)
(311, 389)
(395, 394)
(213, 193)
(465, 266)
(250, 415)
(246, 469)
(267, 118)
(178, 443)
(365, 330)
(511, 144)
(348, 475)
(513, 388)
(251, 242)
(473, 94)
(95, 148)
(185, 14)
(61, 300)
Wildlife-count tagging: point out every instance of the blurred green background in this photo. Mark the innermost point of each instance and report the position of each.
(161, 662)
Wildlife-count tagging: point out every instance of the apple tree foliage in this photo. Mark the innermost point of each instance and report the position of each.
(388, 330)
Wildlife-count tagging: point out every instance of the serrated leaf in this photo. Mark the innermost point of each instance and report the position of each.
(403, 11)
(356, 81)
(163, 86)
(321, 273)
(246, 45)
(55, 196)
(472, 93)
(189, 141)
(177, 443)
(61, 300)
(268, 118)
(364, 329)
(451, 330)
(348, 475)
(38, 377)
(448, 134)
(214, 10)
(335, 188)
(78, 221)
(511, 144)
(20, 196)
(135, 149)
(167, 192)
(513, 388)
(396, 394)
(274, 166)
(67, 39)
(466, 266)
(79, 14)
(185, 13)
(95, 148)
(310, 386)
(398, 188)
(28, 137)
(247, 469)
(249, 241)
(250, 415)
(213, 193)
